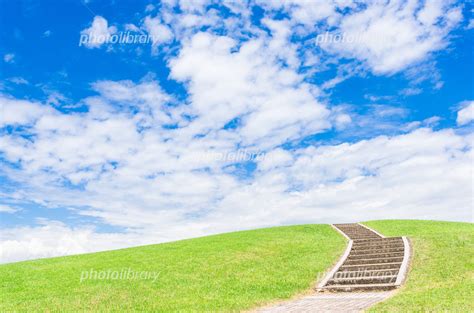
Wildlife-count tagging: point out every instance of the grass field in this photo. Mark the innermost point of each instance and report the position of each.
(441, 278)
(227, 272)
(239, 271)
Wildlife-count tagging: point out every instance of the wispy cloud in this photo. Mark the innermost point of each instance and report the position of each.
(9, 58)
(4, 208)
(466, 113)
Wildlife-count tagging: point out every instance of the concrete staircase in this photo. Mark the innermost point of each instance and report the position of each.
(371, 261)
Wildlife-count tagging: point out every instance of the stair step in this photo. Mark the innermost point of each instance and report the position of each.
(358, 231)
(378, 240)
(378, 248)
(373, 261)
(367, 232)
(381, 250)
(363, 280)
(360, 287)
(377, 245)
(365, 273)
(378, 266)
(358, 256)
(356, 237)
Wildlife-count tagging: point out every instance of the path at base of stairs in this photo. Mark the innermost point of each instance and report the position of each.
(330, 302)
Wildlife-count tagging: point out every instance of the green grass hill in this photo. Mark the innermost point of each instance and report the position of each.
(239, 271)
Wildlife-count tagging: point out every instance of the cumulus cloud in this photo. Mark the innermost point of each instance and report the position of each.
(466, 114)
(151, 181)
(146, 98)
(157, 166)
(385, 177)
(159, 32)
(390, 36)
(272, 103)
(20, 111)
(97, 34)
(309, 13)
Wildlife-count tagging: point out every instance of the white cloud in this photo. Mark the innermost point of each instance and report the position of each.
(411, 91)
(147, 100)
(273, 103)
(158, 190)
(9, 58)
(365, 121)
(395, 177)
(342, 120)
(276, 158)
(391, 36)
(471, 24)
(4, 208)
(19, 111)
(18, 80)
(159, 32)
(308, 13)
(149, 8)
(53, 238)
(97, 34)
(466, 114)
(140, 159)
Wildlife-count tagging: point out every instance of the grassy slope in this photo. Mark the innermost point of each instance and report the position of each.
(226, 272)
(441, 278)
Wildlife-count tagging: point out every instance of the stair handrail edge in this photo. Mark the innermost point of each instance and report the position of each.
(402, 273)
(341, 261)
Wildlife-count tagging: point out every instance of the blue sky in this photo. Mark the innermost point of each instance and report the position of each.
(231, 115)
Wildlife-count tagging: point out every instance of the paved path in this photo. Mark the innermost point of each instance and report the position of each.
(330, 302)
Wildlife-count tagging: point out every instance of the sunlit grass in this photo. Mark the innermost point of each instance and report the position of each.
(242, 270)
(441, 278)
(228, 272)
